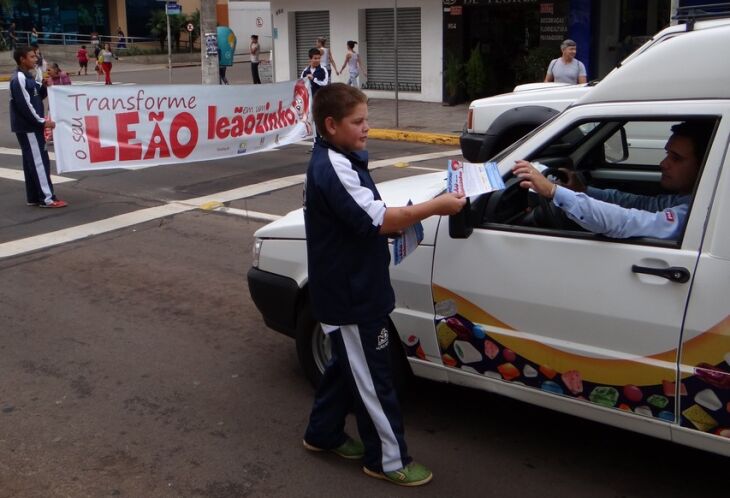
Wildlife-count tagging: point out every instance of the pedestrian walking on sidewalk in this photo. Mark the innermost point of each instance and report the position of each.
(33, 36)
(106, 57)
(27, 122)
(12, 36)
(566, 69)
(121, 39)
(327, 60)
(254, 48)
(354, 65)
(83, 57)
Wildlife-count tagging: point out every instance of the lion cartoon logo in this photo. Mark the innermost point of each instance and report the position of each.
(300, 103)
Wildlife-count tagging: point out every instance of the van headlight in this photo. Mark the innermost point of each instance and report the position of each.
(256, 252)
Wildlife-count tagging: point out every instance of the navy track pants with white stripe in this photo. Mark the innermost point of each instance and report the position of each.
(36, 167)
(359, 377)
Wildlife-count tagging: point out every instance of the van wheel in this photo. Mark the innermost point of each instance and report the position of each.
(314, 351)
(313, 347)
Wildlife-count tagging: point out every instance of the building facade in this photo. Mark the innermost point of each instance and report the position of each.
(87, 16)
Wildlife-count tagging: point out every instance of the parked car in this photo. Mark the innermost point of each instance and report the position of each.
(493, 123)
(509, 298)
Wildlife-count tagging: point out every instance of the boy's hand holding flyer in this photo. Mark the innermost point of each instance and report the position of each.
(473, 179)
(409, 239)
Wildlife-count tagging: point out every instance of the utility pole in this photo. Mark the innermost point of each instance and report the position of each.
(169, 45)
(395, 48)
(208, 25)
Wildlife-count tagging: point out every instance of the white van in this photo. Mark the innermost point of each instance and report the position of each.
(493, 123)
(511, 298)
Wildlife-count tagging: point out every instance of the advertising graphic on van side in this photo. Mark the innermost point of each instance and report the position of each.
(474, 341)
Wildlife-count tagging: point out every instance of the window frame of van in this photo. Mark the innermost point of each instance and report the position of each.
(478, 204)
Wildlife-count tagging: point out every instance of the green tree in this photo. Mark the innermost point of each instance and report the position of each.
(476, 74)
(158, 28)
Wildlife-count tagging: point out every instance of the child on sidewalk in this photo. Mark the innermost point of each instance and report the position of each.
(354, 64)
(350, 292)
(83, 57)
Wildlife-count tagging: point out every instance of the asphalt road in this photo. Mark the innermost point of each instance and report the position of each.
(133, 363)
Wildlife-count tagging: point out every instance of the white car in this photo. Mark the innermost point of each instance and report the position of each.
(511, 297)
(493, 123)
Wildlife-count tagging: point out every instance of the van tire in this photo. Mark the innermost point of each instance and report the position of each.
(312, 351)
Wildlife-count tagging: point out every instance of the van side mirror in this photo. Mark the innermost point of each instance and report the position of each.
(460, 224)
(616, 148)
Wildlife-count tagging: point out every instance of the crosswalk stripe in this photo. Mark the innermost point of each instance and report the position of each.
(18, 152)
(71, 234)
(15, 174)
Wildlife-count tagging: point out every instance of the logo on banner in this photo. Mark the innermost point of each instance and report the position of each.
(242, 147)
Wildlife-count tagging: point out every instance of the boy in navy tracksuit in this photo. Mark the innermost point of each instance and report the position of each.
(347, 225)
(318, 75)
(27, 122)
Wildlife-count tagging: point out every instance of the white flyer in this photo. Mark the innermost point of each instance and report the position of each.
(473, 179)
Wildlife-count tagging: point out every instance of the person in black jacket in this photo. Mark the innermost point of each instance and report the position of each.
(347, 226)
(27, 122)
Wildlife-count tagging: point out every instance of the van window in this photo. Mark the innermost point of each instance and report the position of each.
(618, 162)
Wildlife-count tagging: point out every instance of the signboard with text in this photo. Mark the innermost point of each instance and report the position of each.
(104, 127)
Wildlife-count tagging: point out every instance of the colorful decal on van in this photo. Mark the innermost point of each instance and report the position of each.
(471, 340)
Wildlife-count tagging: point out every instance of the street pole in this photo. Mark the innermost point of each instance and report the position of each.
(209, 63)
(169, 47)
(395, 43)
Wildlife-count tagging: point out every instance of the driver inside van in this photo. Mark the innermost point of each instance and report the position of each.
(619, 214)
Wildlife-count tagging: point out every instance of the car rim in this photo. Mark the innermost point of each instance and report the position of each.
(321, 348)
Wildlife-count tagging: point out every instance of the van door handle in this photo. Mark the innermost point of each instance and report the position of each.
(674, 273)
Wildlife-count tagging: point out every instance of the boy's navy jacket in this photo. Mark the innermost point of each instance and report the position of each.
(26, 103)
(347, 257)
(320, 77)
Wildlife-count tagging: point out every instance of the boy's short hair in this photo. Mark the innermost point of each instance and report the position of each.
(83, 46)
(21, 52)
(314, 51)
(335, 101)
(255, 37)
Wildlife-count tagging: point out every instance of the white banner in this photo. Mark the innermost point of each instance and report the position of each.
(103, 127)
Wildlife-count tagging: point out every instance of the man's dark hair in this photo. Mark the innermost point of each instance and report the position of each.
(699, 132)
(314, 51)
(21, 52)
(335, 101)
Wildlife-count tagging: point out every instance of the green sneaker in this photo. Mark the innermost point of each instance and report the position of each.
(351, 449)
(413, 474)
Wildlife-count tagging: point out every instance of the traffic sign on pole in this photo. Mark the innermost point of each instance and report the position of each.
(173, 9)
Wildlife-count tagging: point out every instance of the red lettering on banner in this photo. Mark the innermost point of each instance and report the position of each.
(211, 121)
(157, 142)
(97, 152)
(221, 128)
(183, 120)
(128, 151)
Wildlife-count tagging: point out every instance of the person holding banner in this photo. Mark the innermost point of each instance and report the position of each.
(347, 226)
(28, 123)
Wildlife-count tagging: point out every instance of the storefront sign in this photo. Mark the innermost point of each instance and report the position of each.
(106, 127)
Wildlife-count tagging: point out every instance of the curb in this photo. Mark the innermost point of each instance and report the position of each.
(414, 136)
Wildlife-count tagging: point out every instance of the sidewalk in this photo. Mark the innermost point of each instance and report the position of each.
(425, 122)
